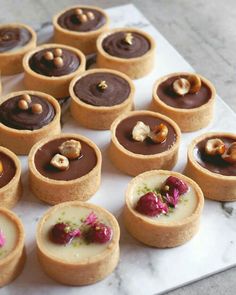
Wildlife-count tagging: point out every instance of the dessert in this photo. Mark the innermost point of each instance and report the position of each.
(64, 168)
(127, 50)
(212, 164)
(15, 41)
(142, 141)
(79, 27)
(10, 182)
(25, 118)
(78, 243)
(99, 96)
(51, 67)
(163, 208)
(12, 252)
(186, 98)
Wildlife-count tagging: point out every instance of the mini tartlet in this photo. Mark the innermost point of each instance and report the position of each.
(99, 96)
(163, 208)
(12, 251)
(142, 141)
(78, 243)
(127, 50)
(26, 117)
(15, 41)
(79, 27)
(64, 167)
(212, 164)
(10, 178)
(186, 98)
(51, 67)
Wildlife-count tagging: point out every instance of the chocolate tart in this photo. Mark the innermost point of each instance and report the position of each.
(132, 157)
(171, 229)
(135, 57)
(21, 128)
(192, 111)
(12, 251)
(71, 29)
(215, 176)
(99, 96)
(79, 182)
(51, 67)
(10, 178)
(15, 41)
(77, 262)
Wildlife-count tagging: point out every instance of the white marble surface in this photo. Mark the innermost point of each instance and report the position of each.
(142, 270)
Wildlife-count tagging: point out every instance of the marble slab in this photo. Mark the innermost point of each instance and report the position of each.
(142, 270)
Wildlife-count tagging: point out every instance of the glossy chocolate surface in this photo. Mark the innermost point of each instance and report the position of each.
(87, 90)
(188, 101)
(214, 164)
(116, 45)
(12, 116)
(9, 169)
(78, 167)
(147, 147)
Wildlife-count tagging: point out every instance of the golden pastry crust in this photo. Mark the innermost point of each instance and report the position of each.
(85, 41)
(158, 234)
(56, 86)
(214, 186)
(12, 192)
(134, 164)
(80, 189)
(136, 67)
(188, 119)
(11, 62)
(87, 271)
(101, 117)
(21, 141)
(12, 265)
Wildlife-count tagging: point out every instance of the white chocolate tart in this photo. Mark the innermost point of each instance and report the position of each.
(78, 243)
(173, 219)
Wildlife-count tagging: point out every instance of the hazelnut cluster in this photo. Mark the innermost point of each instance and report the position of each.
(24, 104)
(191, 84)
(82, 16)
(55, 56)
(157, 134)
(216, 146)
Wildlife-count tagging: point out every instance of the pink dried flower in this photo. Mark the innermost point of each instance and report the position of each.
(76, 233)
(172, 200)
(99, 233)
(176, 183)
(2, 239)
(91, 219)
(149, 204)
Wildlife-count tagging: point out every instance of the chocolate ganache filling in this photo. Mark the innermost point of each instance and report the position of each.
(71, 21)
(8, 169)
(14, 117)
(147, 147)
(43, 66)
(188, 101)
(117, 45)
(77, 167)
(216, 163)
(90, 89)
(13, 38)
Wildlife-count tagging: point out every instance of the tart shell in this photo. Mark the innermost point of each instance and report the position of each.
(55, 86)
(162, 235)
(53, 191)
(134, 164)
(85, 41)
(99, 117)
(21, 141)
(87, 271)
(188, 119)
(136, 67)
(214, 186)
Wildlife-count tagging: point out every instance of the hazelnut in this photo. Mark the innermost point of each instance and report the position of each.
(23, 105)
(1, 167)
(214, 147)
(83, 18)
(36, 108)
(70, 149)
(159, 133)
(48, 55)
(78, 11)
(129, 38)
(60, 162)
(57, 52)
(26, 97)
(58, 62)
(230, 154)
(140, 131)
(90, 15)
(195, 83)
(181, 86)
(102, 85)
